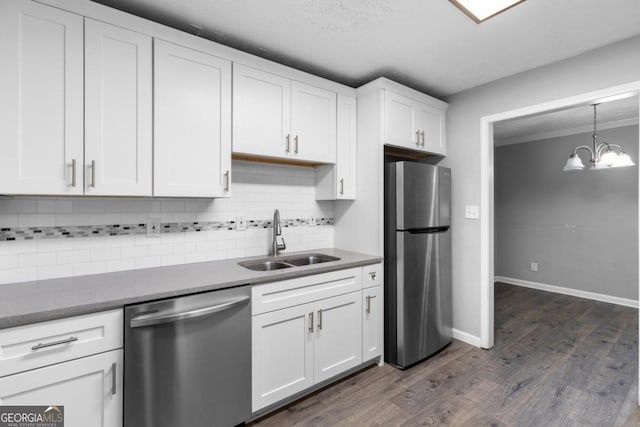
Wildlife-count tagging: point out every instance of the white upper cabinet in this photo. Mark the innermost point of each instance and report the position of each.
(41, 101)
(261, 112)
(276, 117)
(192, 123)
(413, 124)
(338, 182)
(313, 123)
(118, 111)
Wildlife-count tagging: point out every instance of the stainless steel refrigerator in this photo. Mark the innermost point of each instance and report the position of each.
(417, 261)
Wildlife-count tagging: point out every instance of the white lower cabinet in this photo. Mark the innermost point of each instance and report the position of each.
(338, 335)
(89, 388)
(372, 322)
(282, 354)
(329, 327)
(75, 362)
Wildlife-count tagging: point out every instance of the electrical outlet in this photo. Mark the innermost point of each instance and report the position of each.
(472, 211)
(312, 222)
(241, 223)
(534, 266)
(153, 227)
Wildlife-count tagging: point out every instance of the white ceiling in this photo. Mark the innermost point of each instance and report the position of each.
(426, 44)
(568, 121)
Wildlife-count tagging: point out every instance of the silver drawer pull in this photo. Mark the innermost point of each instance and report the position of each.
(341, 185)
(288, 139)
(114, 378)
(295, 150)
(73, 172)
(418, 138)
(319, 319)
(226, 180)
(311, 322)
(93, 174)
(368, 304)
(51, 344)
(373, 275)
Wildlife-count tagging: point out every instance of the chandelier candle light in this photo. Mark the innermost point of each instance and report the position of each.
(603, 155)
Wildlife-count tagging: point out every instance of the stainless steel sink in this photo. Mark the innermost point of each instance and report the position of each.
(269, 264)
(264, 265)
(308, 259)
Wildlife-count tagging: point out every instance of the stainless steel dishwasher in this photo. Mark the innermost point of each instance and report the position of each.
(188, 360)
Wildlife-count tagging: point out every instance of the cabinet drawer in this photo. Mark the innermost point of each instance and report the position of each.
(40, 344)
(372, 275)
(287, 293)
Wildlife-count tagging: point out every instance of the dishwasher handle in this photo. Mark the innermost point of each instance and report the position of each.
(156, 319)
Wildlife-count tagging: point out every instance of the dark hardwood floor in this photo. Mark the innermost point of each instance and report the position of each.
(557, 361)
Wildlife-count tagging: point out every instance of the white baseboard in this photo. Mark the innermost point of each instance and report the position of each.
(568, 291)
(465, 337)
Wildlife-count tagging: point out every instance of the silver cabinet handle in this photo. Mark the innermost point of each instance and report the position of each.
(155, 319)
(311, 322)
(341, 185)
(93, 174)
(368, 304)
(373, 275)
(422, 134)
(226, 180)
(288, 138)
(73, 172)
(295, 147)
(319, 319)
(418, 138)
(51, 344)
(114, 379)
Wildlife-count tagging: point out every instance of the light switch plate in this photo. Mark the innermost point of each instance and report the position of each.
(312, 222)
(534, 266)
(241, 223)
(472, 211)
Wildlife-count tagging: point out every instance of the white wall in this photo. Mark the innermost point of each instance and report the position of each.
(580, 227)
(257, 189)
(611, 65)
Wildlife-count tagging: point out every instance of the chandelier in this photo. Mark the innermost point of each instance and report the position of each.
(603, 155)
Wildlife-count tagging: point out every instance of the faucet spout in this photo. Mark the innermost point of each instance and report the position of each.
(277, 232)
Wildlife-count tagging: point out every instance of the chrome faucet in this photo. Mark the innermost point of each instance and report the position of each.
(277, 231)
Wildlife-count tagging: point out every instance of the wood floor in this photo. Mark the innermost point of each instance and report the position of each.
(557, 361)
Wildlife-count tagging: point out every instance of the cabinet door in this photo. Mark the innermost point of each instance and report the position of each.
(192, 123)
(282, 354)
(88, 388)
(118, 121)
(346, 148)
(372, 322)
(313, 123)
(431, 122)
(41, 101)
(261, 112)
(400, 121)
(338, 335)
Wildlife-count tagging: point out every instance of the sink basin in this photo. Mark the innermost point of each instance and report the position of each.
(264, 265)
(308, 259)
(270, 264)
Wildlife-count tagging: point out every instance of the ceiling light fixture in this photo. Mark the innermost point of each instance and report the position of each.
(481, 10)
(603, 155)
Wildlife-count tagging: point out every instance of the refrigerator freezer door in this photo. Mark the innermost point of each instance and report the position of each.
(422, 195)
(423, 284)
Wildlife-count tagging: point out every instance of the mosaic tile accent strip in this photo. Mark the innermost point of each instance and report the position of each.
(35, 233)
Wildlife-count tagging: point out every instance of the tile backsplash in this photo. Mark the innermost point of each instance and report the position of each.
(60, 237)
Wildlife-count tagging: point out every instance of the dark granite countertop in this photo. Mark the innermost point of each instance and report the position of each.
(30, 302)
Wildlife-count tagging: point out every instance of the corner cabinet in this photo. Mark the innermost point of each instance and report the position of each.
(274, 116)
(75, 362)
(192, 123)
(307, 331)
(41, 106)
